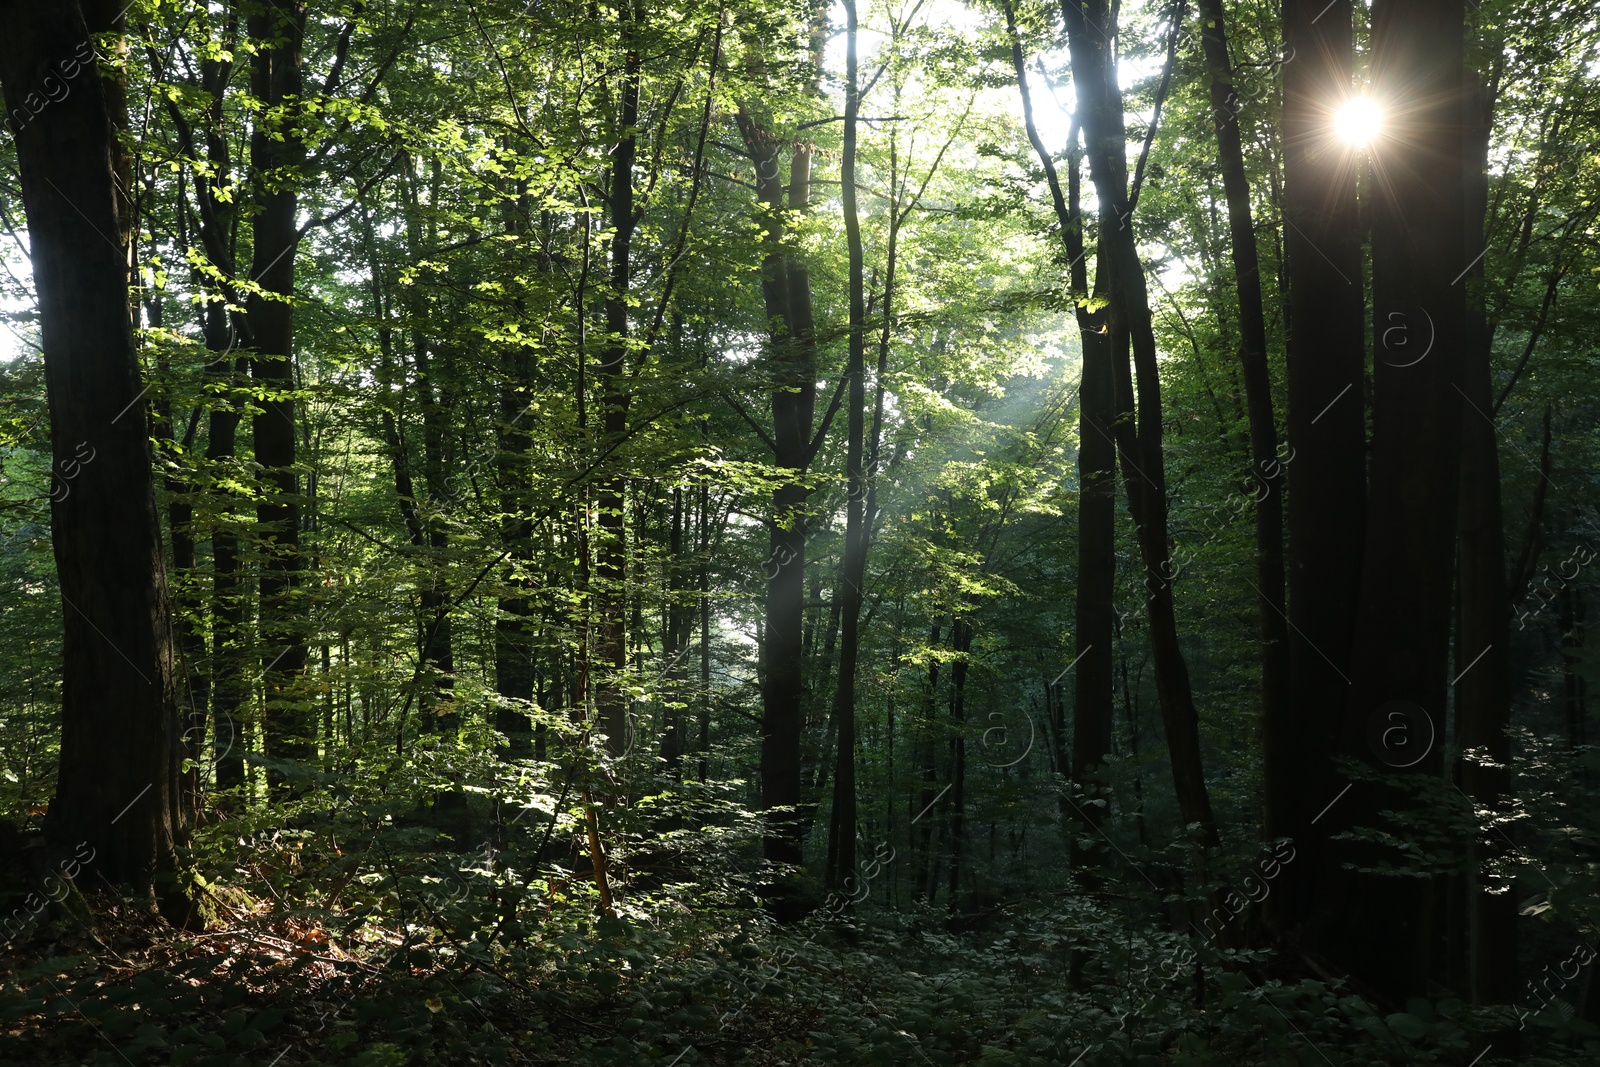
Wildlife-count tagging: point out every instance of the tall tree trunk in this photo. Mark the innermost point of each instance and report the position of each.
(228, 689)
(703, 701)
(1278, 728)
(675, 642)
(929, 774)
(1327, 482)
(791, 358)
(1400, 657)
(1570, 622)
(187, 601)
(431, 381)
(961, 643)
(1093, 615)
(1483, 688)
(841, 863)
(514, 671)
(611, 549)
(1090, 29)
(513, 652)
(225, 331)
(786, 290)
(117, 787)
(277, 156)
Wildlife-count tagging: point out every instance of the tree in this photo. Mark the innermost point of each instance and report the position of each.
(277, 157)
(117, 786)
(1266, 469)
(1327, 483)
(1400, 657)
(1094, 610)
(791, 329)
(1090, 30)
(1483, 692)
(842, 826)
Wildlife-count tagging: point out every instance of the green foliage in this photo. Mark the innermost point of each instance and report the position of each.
(423, 889)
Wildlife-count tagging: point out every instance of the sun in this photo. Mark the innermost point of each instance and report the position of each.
(1358, 121)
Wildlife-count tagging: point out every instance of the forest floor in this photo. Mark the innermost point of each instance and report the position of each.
(386, 964)
(282, 990)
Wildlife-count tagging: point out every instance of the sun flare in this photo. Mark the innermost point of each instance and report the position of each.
(1358, 121)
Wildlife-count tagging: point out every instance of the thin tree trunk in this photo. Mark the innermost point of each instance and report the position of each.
(1094, 615)
(703, 544)
(188, 604)
(225, 332)
(513, 654)
(1573, 693)
(675, 643)
(431, 382)
(961, 641)
(841, 863)
(930, 774)
(228, 691)
(1278, 728)
(611, 549)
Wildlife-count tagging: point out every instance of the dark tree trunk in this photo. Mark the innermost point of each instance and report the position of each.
(930, 776)
(228, 691)
(1266, 470)
(786, 290)
(703, 703)
(1094, 614)
(188, 603)
(611, 548)
(961, 643)
(118, 785)
(1483, 692)
(513, 653)
(1326, 426)
(1483, 689)
(1573, 687)
(841, 862)
(226, 331)
(1090, 29)
(1400, 658)
(675, 642)
(277, 155)
(432, 383)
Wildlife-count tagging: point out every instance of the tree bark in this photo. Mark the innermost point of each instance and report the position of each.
(611, 548)
(431, 383)
(786, 290)
(1266, 470)
(277, 155)
(513, 652)
(1090, 29)
(1094, 613)
(841, 862)
(187, 602)
(1327, 482)
(228, 690)
(226, 331)
(1483, 692)
(961, 644)
(675, 640)
(117, 789)
(1400, 657)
